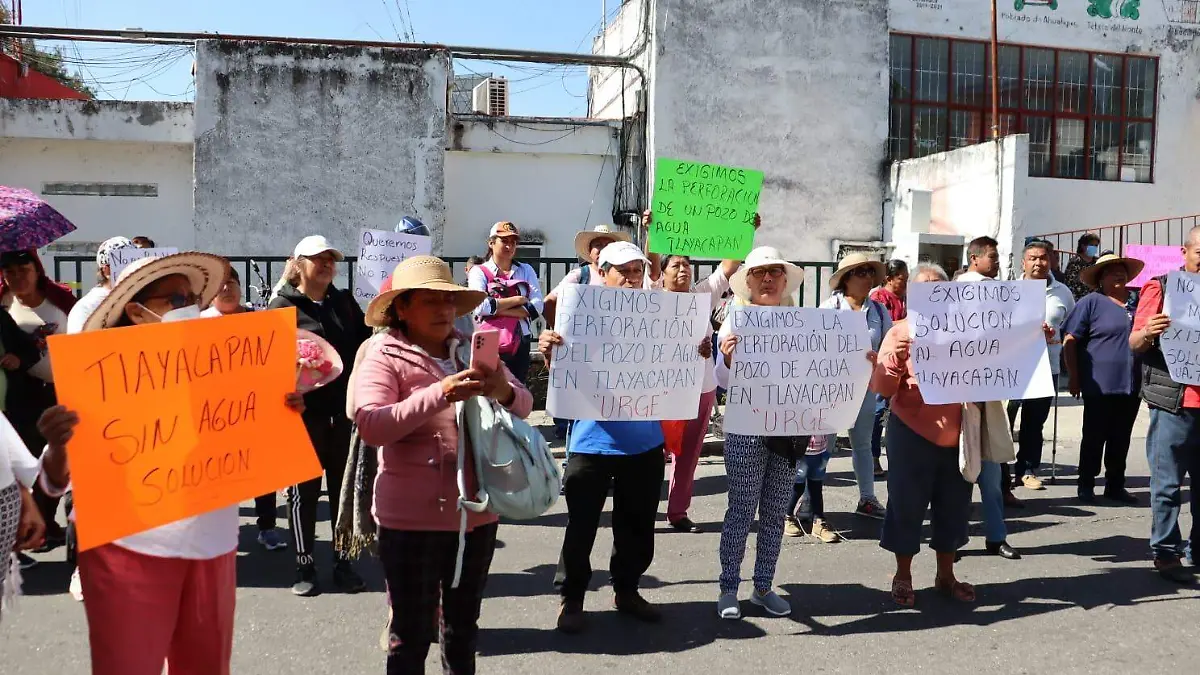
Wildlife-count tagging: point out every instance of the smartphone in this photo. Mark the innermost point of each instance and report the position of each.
(485, 350)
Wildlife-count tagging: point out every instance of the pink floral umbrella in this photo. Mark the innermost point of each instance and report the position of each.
(27, 221)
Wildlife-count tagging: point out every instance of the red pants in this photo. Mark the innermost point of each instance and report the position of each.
(683, 468)
(143, 611)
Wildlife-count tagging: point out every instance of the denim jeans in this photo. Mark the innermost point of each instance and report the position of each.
(860, 447)
(1173, 450)
(881, 406)
(991, 503)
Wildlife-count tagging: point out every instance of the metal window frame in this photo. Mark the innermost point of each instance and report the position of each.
(100, 189)
(1020, 112)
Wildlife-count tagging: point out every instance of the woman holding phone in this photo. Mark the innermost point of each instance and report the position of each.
(405, 391)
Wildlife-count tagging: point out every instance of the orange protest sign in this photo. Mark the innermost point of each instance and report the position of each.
(178, 419)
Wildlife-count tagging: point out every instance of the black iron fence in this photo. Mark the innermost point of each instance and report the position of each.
(257, 272)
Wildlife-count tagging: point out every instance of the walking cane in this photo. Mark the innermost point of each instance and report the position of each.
(1054, 444)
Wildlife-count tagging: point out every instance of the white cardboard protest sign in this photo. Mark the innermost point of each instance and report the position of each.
(796, 371)
(628, 354)
(120, 258)
(1180, 343)
(379, 251)
(976, 341)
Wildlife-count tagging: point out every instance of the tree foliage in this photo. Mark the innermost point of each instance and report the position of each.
(46, 62)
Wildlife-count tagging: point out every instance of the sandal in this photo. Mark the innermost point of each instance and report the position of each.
(959, 591)
(902, 592)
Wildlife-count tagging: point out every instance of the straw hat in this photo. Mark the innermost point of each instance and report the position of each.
(584, 239)
(765, 256)
(207, 273)
(1091, 275)
(853, 261)
(423, 272)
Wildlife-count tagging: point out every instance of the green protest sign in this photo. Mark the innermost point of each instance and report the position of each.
(703, 210)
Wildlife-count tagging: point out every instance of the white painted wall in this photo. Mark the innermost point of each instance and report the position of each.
(553, 177)
(1053, 205)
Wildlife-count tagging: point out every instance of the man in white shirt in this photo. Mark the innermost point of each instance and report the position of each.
(104, 283)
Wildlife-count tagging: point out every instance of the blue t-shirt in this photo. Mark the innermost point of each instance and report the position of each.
(1106, 364)
(590, 437)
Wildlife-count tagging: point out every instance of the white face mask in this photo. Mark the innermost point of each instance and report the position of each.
(181, 314)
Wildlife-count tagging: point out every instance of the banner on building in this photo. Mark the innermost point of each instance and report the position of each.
(703, 210)
(628, 354)
(178, 419)
(379, 252)
(1180, 343)
(976, 341)
(796, 371)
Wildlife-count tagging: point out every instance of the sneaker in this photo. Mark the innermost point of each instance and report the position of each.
(728, 606)
(346, 579)
(271, 540)
(633, 604)
(571, 619)
(306, 584)
(870, 508)
(25, 562)
(791, 527)
(770, 601)
(1173, 570)
(1032, 482)
(76, 587)
(822, 532)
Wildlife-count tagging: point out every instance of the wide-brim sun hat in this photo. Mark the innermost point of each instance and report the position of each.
(765, 256)
(206, 271)
(1091, 275)
(853, 262)
(584, 239)
(422, 272)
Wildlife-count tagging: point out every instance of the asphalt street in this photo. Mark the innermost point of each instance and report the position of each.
(1083, 600)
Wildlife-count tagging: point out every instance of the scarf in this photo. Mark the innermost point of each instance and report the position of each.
(355, 531)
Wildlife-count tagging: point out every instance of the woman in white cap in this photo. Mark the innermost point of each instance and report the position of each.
(405, 392)
(166, 595)
(332, 314)
(856, 275)
(104, 282)
(760, 469)
(514, 297)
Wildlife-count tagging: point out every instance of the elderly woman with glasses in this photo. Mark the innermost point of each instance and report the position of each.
(852, 283)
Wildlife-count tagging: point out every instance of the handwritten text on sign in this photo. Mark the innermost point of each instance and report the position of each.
(121, 258)
(976, 341)
(704, 210)
(178, 419)
(1159, 260)
(378, 254)
(1180, 343)
(796, 371)
(628, 354)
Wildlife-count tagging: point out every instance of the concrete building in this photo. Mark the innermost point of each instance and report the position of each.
(824, 95)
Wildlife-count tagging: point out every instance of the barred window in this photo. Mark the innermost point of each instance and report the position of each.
(1089, 115)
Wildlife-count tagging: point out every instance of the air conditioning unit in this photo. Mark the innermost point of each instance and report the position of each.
(490, 97)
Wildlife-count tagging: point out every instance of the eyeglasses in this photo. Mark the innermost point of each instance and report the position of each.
(774, 272)
(862, 272)
(177, 300)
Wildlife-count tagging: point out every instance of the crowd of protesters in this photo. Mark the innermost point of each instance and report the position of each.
(167, 595)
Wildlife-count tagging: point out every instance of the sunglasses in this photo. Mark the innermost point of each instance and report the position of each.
(774, 272)
(177, 300)
(862, 272)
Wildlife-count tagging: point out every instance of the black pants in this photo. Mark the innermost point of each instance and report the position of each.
(264, 509)
(519, 363)
(419, 568)
(1034, 413)
(637, 485)
(1107, 426)
(331, 438)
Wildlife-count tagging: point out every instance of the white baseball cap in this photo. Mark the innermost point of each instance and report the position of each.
(316, 245)
(621, 253)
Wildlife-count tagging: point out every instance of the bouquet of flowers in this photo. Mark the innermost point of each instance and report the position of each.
(317, 362)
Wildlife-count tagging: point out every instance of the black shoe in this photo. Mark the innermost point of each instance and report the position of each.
(346, 579)
(306, 584)
(633, 604)
(685, 524)
(1087, 495)
(24, 562)
(52, 541)
(957, 557)
(1011, 501)
(1003, 550)
(1120, 495)
(570, 617)
(1173, 570)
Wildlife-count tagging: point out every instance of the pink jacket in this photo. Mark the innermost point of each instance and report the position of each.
(401, 410)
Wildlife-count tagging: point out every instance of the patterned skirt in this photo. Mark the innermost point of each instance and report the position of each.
(10, 521)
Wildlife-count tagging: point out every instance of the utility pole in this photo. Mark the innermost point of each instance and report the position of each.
(995, 77)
